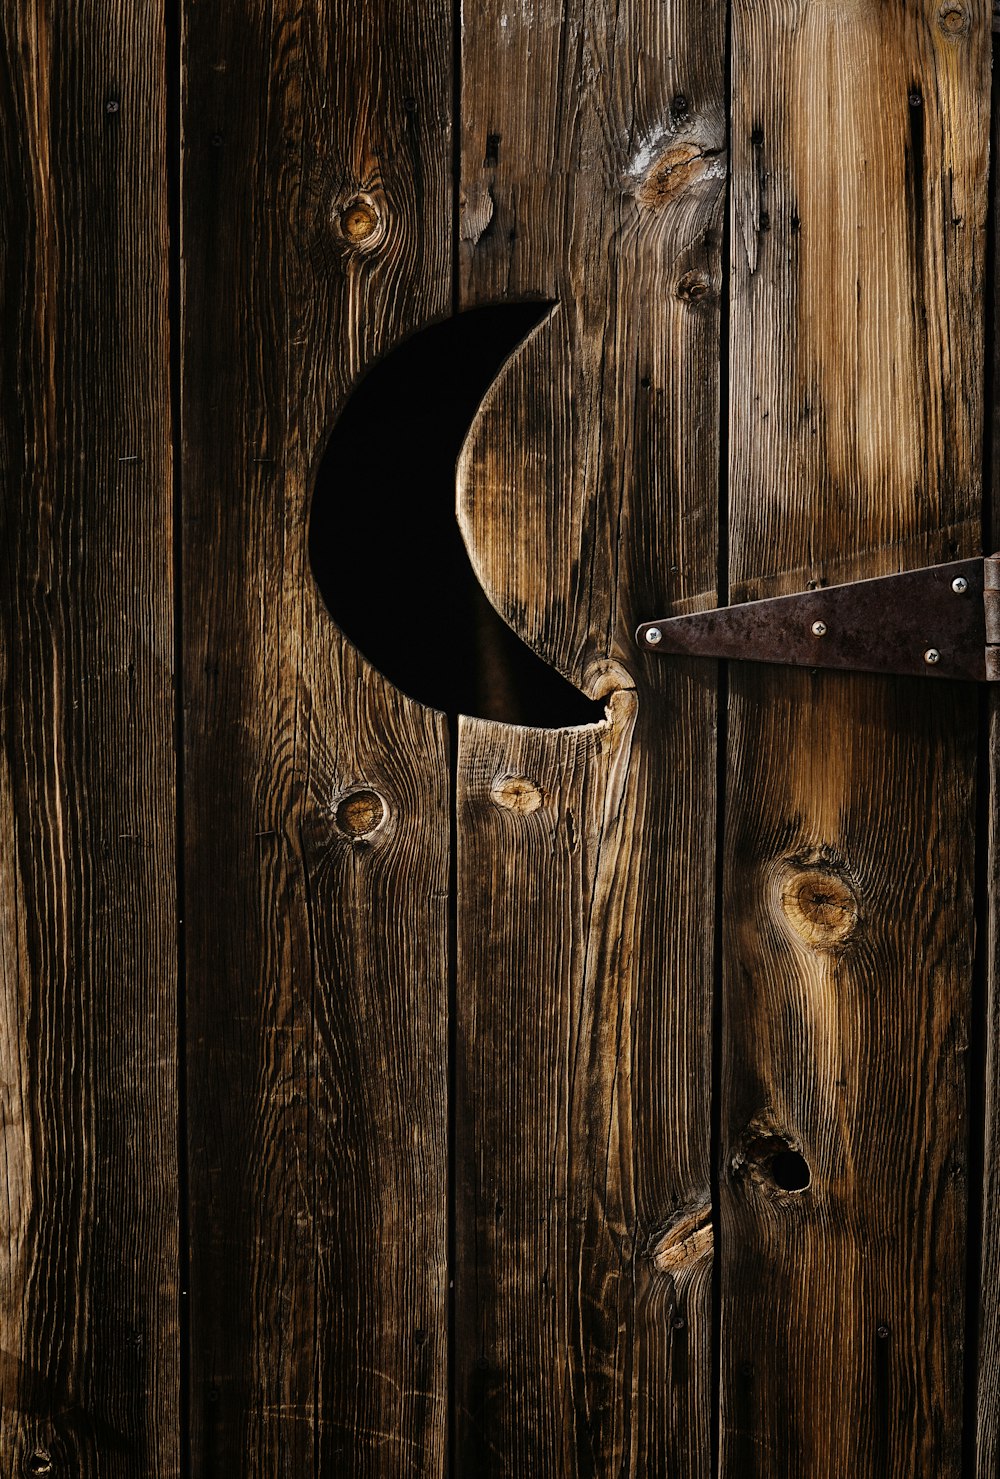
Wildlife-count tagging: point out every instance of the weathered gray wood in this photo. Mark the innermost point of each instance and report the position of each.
(859, 159)
(88, 974)
(317, 225)
(592, 173)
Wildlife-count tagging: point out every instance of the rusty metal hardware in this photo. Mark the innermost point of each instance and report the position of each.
(939, 622)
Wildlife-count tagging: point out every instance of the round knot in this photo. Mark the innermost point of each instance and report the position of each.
(517, 793)
(360, 223)
(359, 813)
(953, 19)
(820, 906)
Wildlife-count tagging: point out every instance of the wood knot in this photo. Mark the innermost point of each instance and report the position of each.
(359, 813)
(953, 19)
(770, 1159)
(820, 906)
(677, 170)
(686, 1240)
(39, 1462)
(517, 793)
(694, 287)
(360, 223)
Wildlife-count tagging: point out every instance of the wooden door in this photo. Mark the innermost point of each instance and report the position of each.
(441, 1037)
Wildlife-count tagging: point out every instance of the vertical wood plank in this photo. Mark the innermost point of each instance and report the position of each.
(987, 1315)
(987, 1323)
(593, 172)
(88, 983)
(859, 168)
(317, 206)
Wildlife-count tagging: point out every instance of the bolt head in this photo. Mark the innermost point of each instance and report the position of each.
(960, 585)
(819, 628)
(932, 656)
(653, 635)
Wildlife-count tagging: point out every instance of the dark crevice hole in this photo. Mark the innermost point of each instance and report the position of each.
(385, 545)
(790, 1171)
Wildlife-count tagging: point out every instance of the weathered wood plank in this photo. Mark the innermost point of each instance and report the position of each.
(585, 1242)
(592, 174)
(317, 204)
(88, 971)
(859, 160)
(987, 1315)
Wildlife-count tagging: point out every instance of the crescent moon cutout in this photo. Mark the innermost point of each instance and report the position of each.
(384, 542)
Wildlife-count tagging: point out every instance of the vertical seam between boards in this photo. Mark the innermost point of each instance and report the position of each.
(722, 739)
(173, 103)
(978, 1055)
(452, 732)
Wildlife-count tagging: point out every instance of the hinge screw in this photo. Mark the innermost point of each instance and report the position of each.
(932, 656)
(960, 585)
(653, 635)
(819, 628)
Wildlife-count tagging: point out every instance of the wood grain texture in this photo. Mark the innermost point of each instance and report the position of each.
(593, 175)
(987, 1349)
(88, 972)
(859, 167)
(987, 1315)
(317, 217)
(584, 1263)
(860, 160)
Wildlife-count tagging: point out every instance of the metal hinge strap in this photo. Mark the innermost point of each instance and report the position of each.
(991, 608)
(939, 622)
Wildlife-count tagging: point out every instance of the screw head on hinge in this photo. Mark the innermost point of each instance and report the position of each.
(653, 635)
(960, 585)
(932, 656)
(819, 628)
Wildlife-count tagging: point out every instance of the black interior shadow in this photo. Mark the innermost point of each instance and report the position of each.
(406, 594)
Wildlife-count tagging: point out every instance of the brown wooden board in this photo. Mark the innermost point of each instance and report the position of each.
(987, 1313)
(88, 971)
(593, 171)
(859, 205)
(986, 1317)
(317, 209)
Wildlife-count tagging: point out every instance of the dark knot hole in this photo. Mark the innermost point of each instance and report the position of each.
(790, 1171)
